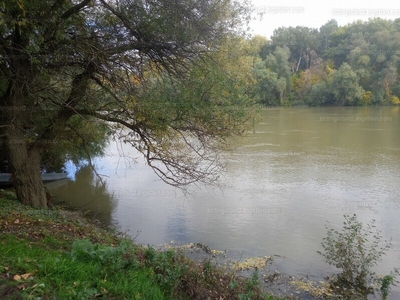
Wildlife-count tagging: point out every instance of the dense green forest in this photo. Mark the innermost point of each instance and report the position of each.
(356, 64)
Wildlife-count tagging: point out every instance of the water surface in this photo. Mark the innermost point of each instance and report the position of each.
(300, 168)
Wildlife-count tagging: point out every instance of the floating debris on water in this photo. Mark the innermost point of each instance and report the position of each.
(252, 262)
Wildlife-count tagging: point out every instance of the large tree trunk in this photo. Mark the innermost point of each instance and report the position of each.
(24, 164)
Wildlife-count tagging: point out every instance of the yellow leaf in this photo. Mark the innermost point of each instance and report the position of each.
(26, 275)
(17, 277)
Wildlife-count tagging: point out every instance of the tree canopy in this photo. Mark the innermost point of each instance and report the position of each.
(159, 73)
(321, 59)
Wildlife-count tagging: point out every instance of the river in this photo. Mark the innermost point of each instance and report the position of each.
(301, 168)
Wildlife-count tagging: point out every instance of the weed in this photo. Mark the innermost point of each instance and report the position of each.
(386, 282)
(233, 285)
(84, 250)
(166, 269)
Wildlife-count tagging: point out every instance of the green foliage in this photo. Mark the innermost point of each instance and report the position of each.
(167, 272)
(265, 88)
(56, 274)
(7, 194)
(254, 281)
(214, 96)
(319, 95)
(385, 285)
(355, 250)
(301, 41)
(344, 86)
(207, 267)
(387, 281)
(273, 77)
(325, 33)
(176, 82)
(84, 251)
(362, 56)
(366, 98)
(84, 140)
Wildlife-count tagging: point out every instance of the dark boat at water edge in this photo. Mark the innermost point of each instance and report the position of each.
(6, 180)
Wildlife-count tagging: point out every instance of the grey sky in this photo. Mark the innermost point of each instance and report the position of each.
(285, 13)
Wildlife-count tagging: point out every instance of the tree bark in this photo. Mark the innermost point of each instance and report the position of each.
(24, 164)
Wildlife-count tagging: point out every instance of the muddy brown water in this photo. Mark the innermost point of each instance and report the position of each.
(300, 168)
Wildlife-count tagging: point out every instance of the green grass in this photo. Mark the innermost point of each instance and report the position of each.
(63, 275)
(56, 254)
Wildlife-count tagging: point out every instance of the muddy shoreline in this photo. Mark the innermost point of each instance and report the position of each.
(270, 277)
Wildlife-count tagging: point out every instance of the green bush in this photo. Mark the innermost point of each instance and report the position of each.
(356, 250)
(167, 271)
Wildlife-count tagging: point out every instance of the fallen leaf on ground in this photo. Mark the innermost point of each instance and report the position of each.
(17, 277)
(26, 275)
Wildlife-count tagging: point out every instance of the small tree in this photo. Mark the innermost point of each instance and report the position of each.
(353, 251)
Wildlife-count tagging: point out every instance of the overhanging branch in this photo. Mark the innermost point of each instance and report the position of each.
(75, 9)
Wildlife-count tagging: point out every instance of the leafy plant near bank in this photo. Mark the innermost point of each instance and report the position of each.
(356, 250)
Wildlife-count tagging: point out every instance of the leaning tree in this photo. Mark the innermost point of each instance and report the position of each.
(159, 72)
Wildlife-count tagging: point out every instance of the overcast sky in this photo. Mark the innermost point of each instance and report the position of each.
(314, 14)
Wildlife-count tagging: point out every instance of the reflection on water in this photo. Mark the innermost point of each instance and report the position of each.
(86, 193)
(301, 168)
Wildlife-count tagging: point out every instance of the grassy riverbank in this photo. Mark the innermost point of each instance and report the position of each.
(58, 254)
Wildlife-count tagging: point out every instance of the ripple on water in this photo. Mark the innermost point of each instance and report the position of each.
(288, 180)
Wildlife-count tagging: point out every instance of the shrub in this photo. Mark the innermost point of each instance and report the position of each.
(356, 250)
(167, 269)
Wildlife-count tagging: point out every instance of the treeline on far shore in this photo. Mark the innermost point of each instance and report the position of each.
(355, 64)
